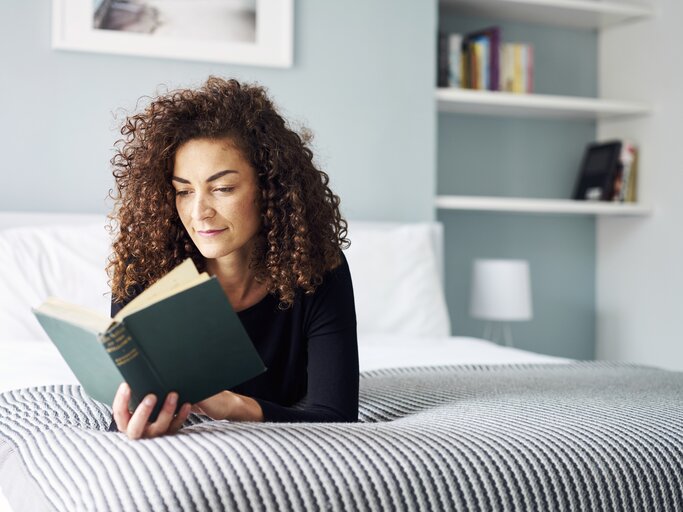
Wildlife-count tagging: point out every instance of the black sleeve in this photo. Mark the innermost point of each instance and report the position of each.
(116, 307)
(332, 389)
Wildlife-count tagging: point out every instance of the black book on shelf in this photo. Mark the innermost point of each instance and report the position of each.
(442, 64)
(598, 172)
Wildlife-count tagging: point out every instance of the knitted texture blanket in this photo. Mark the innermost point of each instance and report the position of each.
(579, 436)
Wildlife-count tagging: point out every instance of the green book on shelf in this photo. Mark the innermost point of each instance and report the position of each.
(181, 334)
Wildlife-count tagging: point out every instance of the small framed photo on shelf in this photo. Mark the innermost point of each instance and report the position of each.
(599, 172)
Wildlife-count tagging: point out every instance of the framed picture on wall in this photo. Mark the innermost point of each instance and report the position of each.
(251, 32)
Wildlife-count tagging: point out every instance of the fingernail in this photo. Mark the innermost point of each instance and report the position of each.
(149, 400)
(172, 399)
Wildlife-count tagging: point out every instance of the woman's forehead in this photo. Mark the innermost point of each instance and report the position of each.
(205, 157)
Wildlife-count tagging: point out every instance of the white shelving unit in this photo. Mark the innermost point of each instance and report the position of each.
(581, 14)
(526, 205)
(468, 101)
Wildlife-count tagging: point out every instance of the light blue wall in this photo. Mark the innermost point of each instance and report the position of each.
(362, 82)
(525, 158)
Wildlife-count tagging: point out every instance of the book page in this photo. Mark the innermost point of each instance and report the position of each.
(181, 278)
(77, 315)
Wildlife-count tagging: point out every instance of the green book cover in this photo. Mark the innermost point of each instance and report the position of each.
(191, 342)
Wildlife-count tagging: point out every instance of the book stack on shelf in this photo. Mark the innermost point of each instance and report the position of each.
(608, 172)
(479, 60)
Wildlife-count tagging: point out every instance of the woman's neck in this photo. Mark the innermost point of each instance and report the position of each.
(237, 280)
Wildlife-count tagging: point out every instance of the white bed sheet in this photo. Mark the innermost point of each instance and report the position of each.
(36, 363)
(381, 351)
(32, 363)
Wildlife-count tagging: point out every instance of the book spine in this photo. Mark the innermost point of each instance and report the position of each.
(530, 68)
(134, 367)
(454, 60)
(628, 152)
(517, 85)
(477, 49)
(524, 67)
(495, 59)
(465, 76)
(484, 69)
(631, 195)
(442, 60)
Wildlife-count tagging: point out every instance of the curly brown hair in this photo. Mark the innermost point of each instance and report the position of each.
(302, 230)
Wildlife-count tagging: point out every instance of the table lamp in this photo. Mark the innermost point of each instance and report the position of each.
(500, 293)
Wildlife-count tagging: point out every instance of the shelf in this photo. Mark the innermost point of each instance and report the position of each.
(468, 101)
(581, 14)
(523, 205)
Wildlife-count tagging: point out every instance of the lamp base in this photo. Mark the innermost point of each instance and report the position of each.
(498, 332)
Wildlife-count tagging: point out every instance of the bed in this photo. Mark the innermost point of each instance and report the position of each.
(446, 423)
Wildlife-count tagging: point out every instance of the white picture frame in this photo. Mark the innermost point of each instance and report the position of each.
(73, 28)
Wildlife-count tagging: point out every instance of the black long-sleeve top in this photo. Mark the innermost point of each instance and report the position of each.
(310, 351)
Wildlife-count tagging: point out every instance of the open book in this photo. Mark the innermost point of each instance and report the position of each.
(181, 334)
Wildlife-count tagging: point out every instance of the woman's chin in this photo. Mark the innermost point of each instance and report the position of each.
(211, 253)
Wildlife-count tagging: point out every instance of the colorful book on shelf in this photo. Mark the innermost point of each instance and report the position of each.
(480, 61)
(529, 68)
(455, 63)
(624, 187)
(489, 37)
(631, 185)
(181, 334)
(481, 53)
(507, 67)
(517, 68)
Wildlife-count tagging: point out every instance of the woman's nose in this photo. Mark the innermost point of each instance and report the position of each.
(201, 208)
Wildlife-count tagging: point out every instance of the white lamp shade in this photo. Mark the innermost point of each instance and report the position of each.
(501, 290)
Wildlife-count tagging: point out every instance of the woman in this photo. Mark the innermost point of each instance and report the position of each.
(216, 174)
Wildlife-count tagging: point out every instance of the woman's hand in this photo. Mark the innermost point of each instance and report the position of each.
(227, 405)
(136, 426)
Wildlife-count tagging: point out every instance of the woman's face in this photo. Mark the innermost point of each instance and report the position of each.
(216, 196)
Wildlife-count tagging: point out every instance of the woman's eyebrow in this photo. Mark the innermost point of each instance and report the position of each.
(219, 174)
(210, 178)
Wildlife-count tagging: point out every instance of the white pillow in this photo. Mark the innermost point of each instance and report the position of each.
(396, 280)
(66, 261)
(394, 268)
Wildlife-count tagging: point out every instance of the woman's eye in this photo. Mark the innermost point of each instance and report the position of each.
(224, 189)
(182, 192)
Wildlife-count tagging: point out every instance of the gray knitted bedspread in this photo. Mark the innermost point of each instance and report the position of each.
(579, 436)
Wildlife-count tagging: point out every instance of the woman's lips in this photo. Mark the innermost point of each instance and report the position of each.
(211, 232)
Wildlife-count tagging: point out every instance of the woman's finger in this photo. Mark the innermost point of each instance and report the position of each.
(138, 422)
(178, 421)
(160, 426)
(120, 407)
